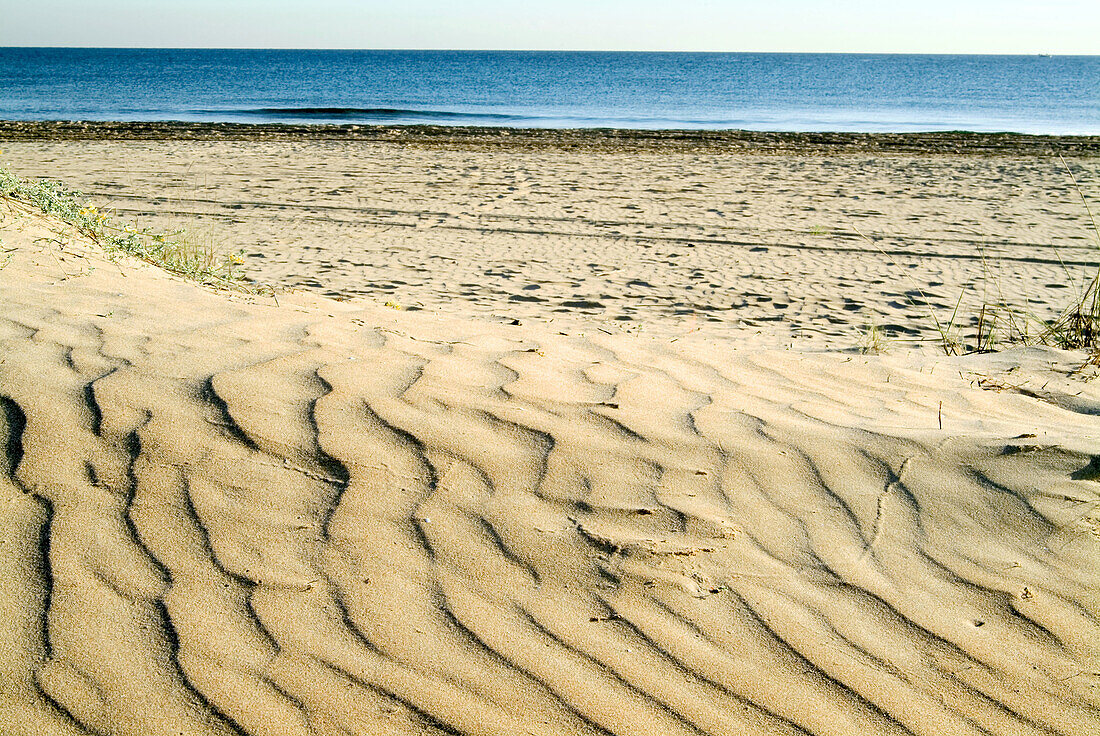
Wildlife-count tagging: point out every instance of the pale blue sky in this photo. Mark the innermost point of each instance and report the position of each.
(928, 26)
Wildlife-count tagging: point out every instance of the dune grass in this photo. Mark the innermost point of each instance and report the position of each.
(176, 252)
(1004, 322)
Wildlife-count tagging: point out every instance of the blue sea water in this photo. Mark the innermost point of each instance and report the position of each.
(794, 92)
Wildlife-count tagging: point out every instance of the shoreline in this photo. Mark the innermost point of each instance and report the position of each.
(569, 139)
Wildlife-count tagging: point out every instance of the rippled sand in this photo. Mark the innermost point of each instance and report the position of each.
(227, 514)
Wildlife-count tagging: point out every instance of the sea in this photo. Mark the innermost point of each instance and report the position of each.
(1039, 94)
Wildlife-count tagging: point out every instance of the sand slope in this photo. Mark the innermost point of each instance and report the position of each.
(222, 516)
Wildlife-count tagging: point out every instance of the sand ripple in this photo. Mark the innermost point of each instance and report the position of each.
(227, 517)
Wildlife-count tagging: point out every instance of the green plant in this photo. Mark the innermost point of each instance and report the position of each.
(175, 252)
(872, 340)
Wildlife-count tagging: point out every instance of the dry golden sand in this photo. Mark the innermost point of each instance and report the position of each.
(805, 248)
(223, 515)
(231, 514)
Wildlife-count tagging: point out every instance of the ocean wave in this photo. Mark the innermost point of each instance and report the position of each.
(387, 113)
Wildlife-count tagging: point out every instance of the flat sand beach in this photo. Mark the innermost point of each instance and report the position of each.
(795, 238)
(568, 434)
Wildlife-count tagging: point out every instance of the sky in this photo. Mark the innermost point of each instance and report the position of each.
(875, 26)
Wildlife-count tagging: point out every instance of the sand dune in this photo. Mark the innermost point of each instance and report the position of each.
(227, 515)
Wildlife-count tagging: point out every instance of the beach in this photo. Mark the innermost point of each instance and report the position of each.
(548, 432)
(807, 238)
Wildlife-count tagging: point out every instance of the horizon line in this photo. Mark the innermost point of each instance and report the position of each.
(529, 50)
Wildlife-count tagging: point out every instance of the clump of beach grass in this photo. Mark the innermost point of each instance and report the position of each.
(176, 252)
(1000, 324)
(873, 340)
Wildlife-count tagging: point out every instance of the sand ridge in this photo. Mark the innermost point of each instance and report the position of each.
(226, 514)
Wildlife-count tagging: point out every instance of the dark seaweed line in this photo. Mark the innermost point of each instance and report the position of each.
(948, 144)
